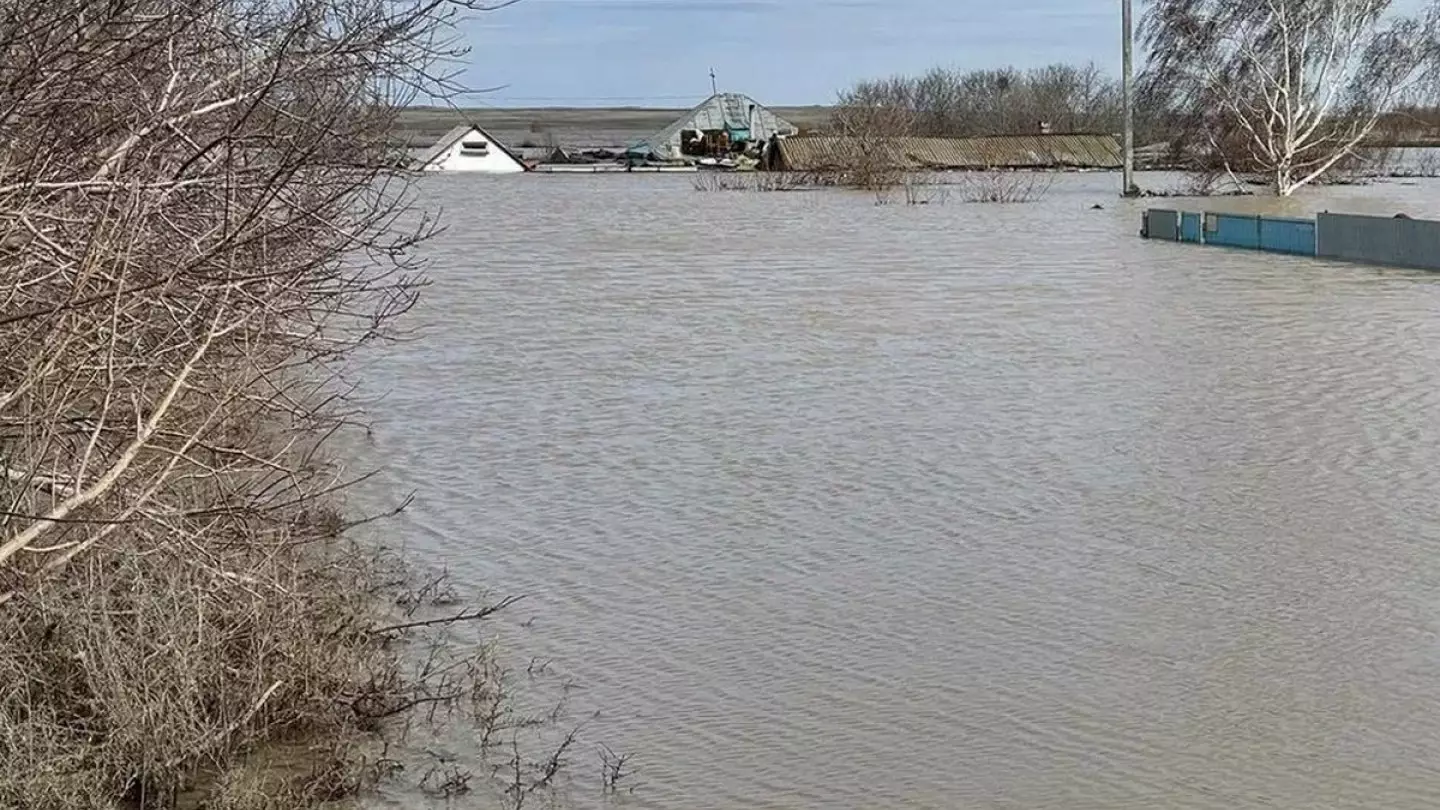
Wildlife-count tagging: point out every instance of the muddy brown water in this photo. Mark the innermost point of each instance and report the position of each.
(824, 504)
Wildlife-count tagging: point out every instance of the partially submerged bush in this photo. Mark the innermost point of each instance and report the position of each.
(915, 188)
(747, 181)
(201, 217)
(138, 671)
(921, 187)
(998, 186)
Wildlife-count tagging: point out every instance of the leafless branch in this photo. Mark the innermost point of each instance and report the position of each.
(464, 616)
(1287, 91)
(203, 217)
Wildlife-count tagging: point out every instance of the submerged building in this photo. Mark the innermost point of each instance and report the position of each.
(468, 148)
(836, 153)
(723, 124)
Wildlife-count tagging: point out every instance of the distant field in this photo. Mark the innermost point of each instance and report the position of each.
(533, 131)
(576, 127)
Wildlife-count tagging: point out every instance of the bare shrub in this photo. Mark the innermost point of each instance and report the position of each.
(947, 103)
(748, 181)
(1207, 181)
(1204, 180)
(1426, 165)
(446, 781)
(874, 176)
(915, 188)
(924, 189)
(615, 769)
(201, 218)
(1000, 186)
(876, 129)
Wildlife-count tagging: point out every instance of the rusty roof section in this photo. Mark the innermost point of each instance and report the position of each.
(819, 153)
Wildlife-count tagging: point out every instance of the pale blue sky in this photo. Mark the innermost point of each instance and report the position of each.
(659, 52)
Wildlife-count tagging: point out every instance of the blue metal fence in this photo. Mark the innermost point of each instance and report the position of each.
(1190, 228)
(1232, 230)
(1285, 235)
(1378, 240)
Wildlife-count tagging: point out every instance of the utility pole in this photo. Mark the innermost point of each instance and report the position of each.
(1127, 81)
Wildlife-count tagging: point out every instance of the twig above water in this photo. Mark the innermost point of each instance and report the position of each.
(463, 616)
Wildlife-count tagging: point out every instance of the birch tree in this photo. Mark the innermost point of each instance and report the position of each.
(1287, 90)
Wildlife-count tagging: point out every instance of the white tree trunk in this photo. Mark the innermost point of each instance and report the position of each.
(1285, 77)
(1285, 184)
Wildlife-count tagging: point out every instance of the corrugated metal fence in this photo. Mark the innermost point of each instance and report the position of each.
(1396, 242)
(1380, 240)
(1157, 223)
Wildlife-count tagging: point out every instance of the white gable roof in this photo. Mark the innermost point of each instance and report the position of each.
(470, 148)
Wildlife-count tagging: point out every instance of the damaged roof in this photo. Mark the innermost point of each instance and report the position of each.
(818, 153)
(722, 111)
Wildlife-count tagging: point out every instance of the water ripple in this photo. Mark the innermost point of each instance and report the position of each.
(836, 505)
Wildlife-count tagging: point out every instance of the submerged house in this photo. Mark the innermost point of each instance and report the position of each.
(827, 153)
(723, 124)
(468, 148)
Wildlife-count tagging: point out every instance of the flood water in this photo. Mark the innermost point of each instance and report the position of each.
(824, 504)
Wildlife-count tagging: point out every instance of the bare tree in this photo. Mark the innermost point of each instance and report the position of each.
(946, 103)
(1284, 89)
(202, 216)
(874, 129)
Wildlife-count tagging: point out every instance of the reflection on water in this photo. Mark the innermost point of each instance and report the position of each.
(835, 505)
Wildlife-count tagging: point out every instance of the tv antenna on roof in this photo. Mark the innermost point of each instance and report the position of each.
(714, 90)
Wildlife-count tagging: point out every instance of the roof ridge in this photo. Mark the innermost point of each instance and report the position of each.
(458, 132)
